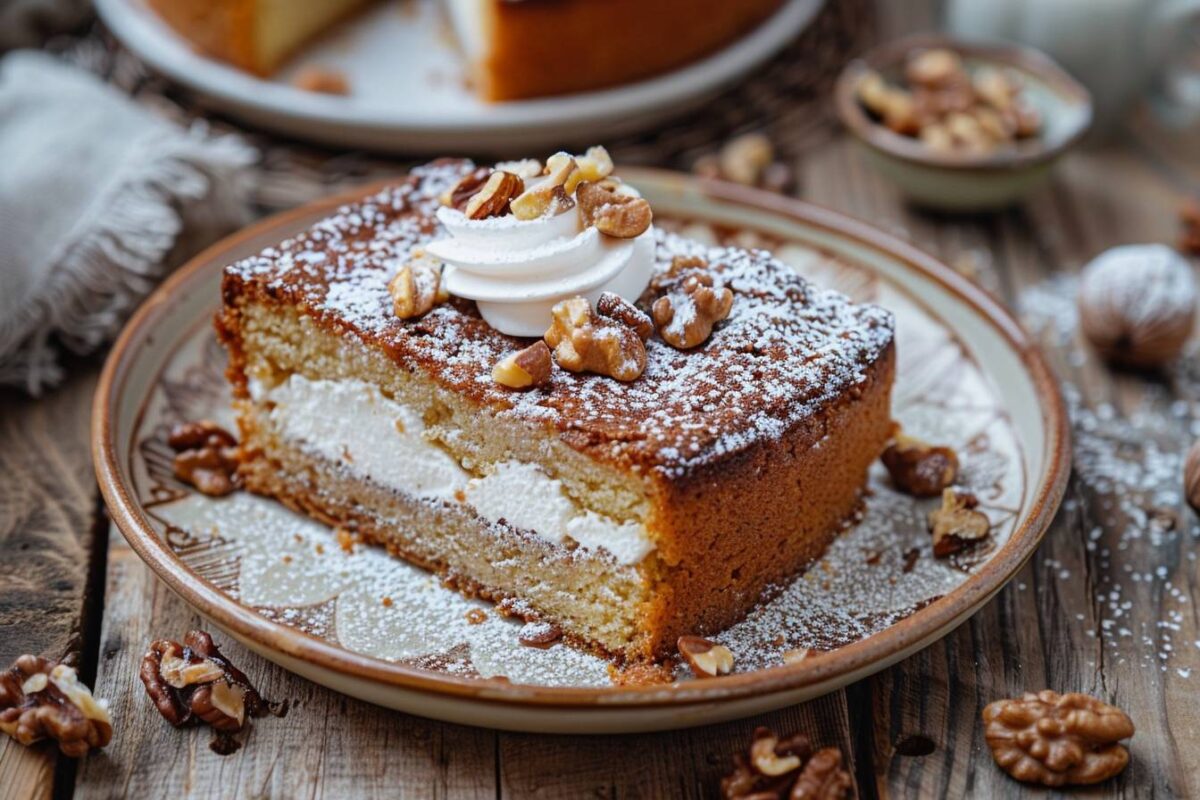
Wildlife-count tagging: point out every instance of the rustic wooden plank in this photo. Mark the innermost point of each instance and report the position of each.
(684, 764)
(327, 746)
(1047, 627)
(48, 501)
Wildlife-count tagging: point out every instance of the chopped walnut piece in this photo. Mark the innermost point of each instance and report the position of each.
(525, 369)
(206, 457)
(593, 166)
(417, 286)
(457, 196)
(957, 524)
(783, 769)
(707, 659)
(618, 215)
(583, 341)
(1056, 740)
(493, 198)
(685, 319)
(743, 158)
(524, 168)
(476, 616)
(43, 699)
(919, 468)
(193, 682)
(321, 80)
(535, 203)
(618, 308)
(937, 67)
(823, 778)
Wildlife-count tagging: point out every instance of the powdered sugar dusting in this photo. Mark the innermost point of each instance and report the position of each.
(786, 350)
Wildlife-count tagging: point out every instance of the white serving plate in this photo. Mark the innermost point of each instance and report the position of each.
(967, 376)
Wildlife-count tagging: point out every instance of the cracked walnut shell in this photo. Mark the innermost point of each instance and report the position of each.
(1056, 740)
(43, 699)
(584, 341)
(685, 318)
(1137, 304)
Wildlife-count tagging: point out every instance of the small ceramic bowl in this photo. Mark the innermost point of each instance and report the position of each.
(968, 181)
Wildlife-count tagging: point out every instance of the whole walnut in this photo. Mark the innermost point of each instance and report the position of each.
(1137, 304)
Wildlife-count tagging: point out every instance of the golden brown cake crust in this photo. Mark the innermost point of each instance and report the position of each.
(788, 352)
(547, 47)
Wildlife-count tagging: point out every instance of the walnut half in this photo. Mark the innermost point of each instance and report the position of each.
(919, 468)
(786, 769)
(1057, 739)
(685, 319)
(43, 699)
(194, 682)
(584, 341)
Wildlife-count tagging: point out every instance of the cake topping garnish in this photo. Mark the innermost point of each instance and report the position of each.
(43, 699)
(525, 369)
(780, 768)
(707, 659)
(957, 525)
(1057, 739)
(919, 468)
(584, 341)
(205, 457)
(621, 310)
(417, 286)
(685, 317)
(620, 215)
(519, 243)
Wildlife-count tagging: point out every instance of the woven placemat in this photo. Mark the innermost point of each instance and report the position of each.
(787, 99)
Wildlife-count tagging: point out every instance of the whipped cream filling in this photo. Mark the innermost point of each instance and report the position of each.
(351, 422)
(516, 270)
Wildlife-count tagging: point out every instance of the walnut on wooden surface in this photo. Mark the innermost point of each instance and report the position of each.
(622, 216)
(621, 310)
(43, 699)
(584, 341)
(707, 659)
(1189, 225)
(525, 369)
(206, 457)
(1137, 304)
(493, 198)
(957, 525)
(417, 286)
(786, 769)
(685, 318)
(322, 80)
(1057, 739)
(1191, 477)
(919, 468)
(193, 683)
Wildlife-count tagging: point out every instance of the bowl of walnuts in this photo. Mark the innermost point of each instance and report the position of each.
(961, 126)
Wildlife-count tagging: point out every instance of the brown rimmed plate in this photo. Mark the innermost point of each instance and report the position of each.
(372, 627)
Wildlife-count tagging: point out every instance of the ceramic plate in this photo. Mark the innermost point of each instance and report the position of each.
(408, 89)
(370, 626)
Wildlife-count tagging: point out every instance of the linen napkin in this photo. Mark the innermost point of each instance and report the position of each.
(95, 192)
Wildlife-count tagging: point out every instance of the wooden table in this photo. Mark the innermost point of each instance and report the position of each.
(67, 586)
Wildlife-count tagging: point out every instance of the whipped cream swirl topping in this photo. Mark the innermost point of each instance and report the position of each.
(517, 270)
